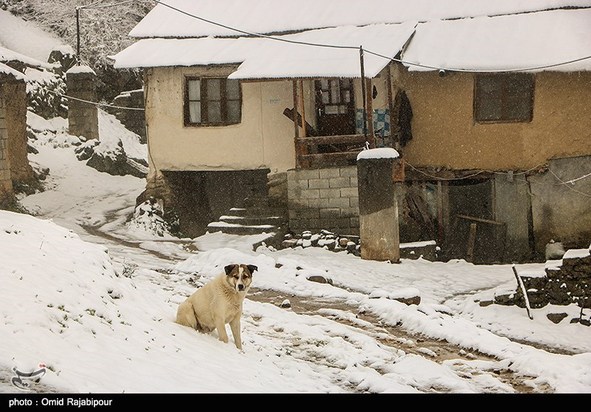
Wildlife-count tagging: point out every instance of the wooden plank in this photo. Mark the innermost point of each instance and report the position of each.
(440, 230)
(471, 242)
(298, 149)
(324, 159)
(303, 108)
(370, 130)
(312, 141)
(478, 219)
(295, 109)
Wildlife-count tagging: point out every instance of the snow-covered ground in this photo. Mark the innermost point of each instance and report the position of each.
(95, 300)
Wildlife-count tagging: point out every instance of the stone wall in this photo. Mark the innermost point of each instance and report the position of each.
(567, 282)
(16, 126)
(82, 116)
(323, 199)
(6, 193)
(134, 120)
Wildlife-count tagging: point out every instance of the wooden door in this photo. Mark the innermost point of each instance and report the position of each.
(335, 107)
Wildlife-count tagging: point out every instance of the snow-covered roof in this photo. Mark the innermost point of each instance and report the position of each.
(4, 69)
(7, 55)
(261, 58)
(275, 16)
(532, 41)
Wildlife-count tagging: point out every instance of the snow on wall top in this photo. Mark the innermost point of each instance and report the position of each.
(261, 58)
(526, 41)
(273, 16)
(80, 69)
(4, 69)
(378, 153)
(7, 55)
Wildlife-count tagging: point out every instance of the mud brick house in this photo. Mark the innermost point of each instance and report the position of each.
(487, 102)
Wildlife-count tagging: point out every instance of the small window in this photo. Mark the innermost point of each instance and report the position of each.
(504, 98)
(212, 102)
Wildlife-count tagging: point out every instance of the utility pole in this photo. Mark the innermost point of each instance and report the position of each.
(78, 36)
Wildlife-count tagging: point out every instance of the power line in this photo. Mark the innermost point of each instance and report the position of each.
(524, 69)
(404, 62)
(252, 34)
(111, 106)
(568, 184)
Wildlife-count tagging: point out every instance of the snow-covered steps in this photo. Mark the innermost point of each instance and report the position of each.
(238, 229)
(259, 215)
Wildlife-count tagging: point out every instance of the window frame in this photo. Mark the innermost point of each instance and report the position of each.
(502, 82)
(204, 102)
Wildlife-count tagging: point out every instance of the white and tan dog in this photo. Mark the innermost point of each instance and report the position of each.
(218, 302)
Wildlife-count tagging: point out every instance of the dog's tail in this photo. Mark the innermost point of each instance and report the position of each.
(185, 315)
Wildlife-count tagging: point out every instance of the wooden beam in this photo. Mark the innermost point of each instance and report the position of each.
(329, 159)
(295, 109)
(303, 108)
(471, 243)
(370, 132)
(355, 138)
(480, 220)
(295, 125)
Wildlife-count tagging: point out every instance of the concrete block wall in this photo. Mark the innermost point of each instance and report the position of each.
(323, 199)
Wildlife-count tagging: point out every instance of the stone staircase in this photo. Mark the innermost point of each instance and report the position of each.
(258, 215)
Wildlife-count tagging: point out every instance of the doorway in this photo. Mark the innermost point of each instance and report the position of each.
(335, 107)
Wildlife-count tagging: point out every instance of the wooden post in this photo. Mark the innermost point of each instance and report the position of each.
(370, 132)
(471, 242)
(303, 107)
(363, 92)
(295, 125)
(78, 35)
(391, 106)
(439, 212)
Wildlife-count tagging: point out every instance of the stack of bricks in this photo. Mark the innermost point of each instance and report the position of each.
(324, 199)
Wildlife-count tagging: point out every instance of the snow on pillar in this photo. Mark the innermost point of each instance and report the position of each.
(82, 116)
(378, 210)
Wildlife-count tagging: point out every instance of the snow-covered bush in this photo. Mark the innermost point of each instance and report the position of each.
(44, 91)
(148, 218)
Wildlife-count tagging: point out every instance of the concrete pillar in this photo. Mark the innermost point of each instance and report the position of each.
(82, 117)
(378, 209)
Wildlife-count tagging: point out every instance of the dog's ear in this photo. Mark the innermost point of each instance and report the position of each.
(229, 269)
(252, 268)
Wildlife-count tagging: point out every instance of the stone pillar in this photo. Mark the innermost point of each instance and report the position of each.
(378, 209)
(82, 117)
(6, 193)
(21, 171)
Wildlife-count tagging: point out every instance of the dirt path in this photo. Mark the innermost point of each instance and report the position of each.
(439, 351)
